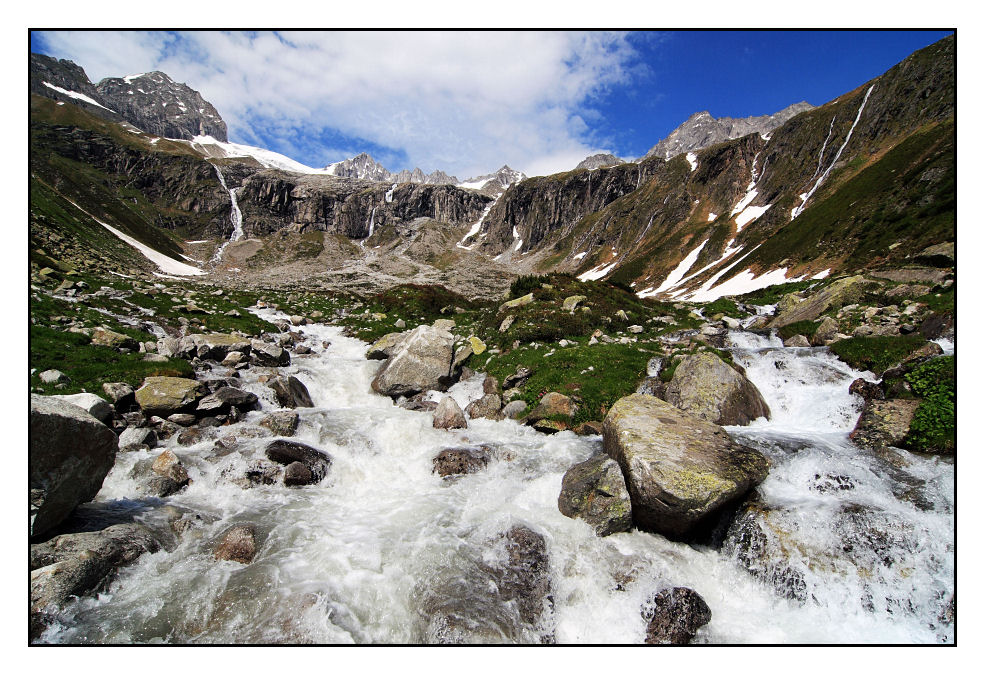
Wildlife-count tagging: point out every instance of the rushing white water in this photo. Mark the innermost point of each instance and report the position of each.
(235, 215)
(360, 557)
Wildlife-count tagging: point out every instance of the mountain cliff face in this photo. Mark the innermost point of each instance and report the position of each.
(275, 200)
(701, 130)
(863, 181)
(158, 105)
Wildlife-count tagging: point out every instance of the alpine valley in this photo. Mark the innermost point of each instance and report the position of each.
(704, 396)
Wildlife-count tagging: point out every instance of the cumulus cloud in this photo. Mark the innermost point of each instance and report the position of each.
(458, 101)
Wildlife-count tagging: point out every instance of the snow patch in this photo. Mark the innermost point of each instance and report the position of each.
(213, 148)
(822, 275)
(749, 214)
(712, 216)
(692, 160)
(678, 272)
(597, 273)
(581, 255)
(75, 94)
(744, 282)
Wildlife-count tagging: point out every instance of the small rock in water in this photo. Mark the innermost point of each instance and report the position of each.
(282, 422)
(238, 544)
(454, 461)
(678, 613)
(449, 415)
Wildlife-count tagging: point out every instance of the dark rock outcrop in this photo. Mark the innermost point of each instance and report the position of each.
(158, 105)
(289, 452)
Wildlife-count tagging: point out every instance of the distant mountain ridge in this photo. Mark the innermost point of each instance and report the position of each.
(364, 167)
(701, 130)
(599, 161)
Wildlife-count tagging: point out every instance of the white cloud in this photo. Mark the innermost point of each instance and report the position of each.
(462, 102)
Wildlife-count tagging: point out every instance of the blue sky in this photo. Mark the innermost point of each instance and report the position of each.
(468, 103)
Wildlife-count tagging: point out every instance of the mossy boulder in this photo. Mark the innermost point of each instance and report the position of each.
(595, 491)
(680, 469)
(571, 302)
(518, 302)
(107, 338)
(884, 423)
(839, 293)
(165, 396)
(705, 386)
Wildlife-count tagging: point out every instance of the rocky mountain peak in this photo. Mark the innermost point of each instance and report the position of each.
(158, 105)
(598, 161)
(364, 167)
(702, 130)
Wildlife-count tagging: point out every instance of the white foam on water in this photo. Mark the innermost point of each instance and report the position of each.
(359, 557)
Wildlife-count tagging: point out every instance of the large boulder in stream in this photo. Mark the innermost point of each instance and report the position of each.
(422, 360)
(215, 346)
(707, 387)
(290, 392)
(164, 396)
(681, 471)
(500, 598)
(78, 563)
(70, 453)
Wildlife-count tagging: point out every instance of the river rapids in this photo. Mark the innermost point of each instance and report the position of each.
(841, 545)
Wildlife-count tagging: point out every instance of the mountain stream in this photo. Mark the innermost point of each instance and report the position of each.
(842, 546)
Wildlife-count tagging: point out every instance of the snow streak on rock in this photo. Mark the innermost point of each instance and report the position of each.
(804, 197)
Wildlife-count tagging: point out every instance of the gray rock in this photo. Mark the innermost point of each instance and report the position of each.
(106, 338)
(288, 452)
(53, 376)
(448, 415)
(421, 361)
(680, 469)
(296, 473)
(676, 616)
(705, 386)
(138, 436)
(797, 341)
(168, 465)
(182, 419)
(595, 491)
(455, 461)
(517, 379)
(92, 404)
(70, 453)
(73, 565)
(552, 404)
(514, 409)
(290, 392)
(488, 407)
(225, 398)
(120, 394)
(281, 423)
(266, 354)
(238, 544)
